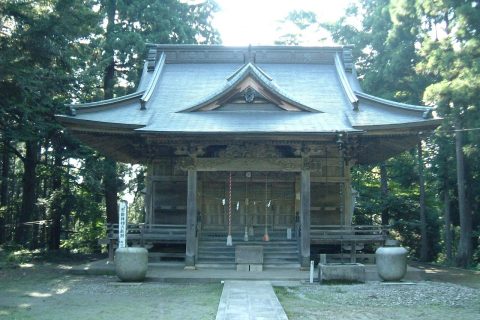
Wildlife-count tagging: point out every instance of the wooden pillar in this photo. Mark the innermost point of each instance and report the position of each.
(191, 219)
(349, 206)
(305, 218)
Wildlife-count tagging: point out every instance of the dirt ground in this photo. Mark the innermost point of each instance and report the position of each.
(46, 291)
(468, 278)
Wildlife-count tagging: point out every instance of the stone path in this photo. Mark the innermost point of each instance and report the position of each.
(249, 300)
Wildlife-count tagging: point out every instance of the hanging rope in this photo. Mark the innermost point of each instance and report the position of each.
(245, 235)
(229, 237)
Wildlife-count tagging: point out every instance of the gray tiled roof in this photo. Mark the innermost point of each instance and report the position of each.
(249, 122)
(314, 85)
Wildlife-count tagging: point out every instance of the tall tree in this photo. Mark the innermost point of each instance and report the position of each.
(423, 217)
(129, 26)
(37, 66)
(450, 55)
(386, 37)
(384, 193)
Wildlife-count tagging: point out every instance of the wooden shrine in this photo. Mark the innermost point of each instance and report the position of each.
(255, 143)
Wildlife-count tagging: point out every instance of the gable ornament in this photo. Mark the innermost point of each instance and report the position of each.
(249, 95)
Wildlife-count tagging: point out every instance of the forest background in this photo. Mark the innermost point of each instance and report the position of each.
(57, 194)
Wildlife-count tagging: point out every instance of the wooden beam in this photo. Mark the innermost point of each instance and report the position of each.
(243, 164)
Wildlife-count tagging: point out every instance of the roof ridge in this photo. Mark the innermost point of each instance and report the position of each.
(247, 66)
(339, 67)
(153, 82)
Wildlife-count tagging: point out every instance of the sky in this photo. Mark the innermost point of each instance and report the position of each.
(244, 22)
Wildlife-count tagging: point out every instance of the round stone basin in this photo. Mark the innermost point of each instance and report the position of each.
(131, 264)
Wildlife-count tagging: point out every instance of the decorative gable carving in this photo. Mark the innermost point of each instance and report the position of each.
(249, 85)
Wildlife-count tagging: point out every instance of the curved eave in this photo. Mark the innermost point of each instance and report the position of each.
(77, 124)
(108, 103)
(233, 81)
(249, 133)
(426, 111)
(431, 123)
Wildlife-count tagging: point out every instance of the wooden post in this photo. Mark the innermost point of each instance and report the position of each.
(191, 219)
(305, 218)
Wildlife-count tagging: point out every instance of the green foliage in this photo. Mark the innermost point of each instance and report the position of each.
(55, 52)
(413, 51)
(401, 202)
(385, 47)
(85, 237)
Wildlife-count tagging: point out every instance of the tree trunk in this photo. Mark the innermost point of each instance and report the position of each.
(110, 186)
(448, 230)
(29, 195)
(384, 193)
(56, 203)
(109, 75)
(110, 166)
(5, 175)
(4, 190)
(423, 216)
(464, 249)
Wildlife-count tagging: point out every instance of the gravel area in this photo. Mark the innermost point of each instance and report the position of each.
(376, 300)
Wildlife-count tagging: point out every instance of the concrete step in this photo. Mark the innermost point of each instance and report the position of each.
(278, 252)
(200, 264)
(271, 260)
(272, 247)
(261, 243)
(294, 265)
(232, 252)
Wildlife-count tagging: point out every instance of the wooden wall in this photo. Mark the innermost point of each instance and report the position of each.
(330, 195)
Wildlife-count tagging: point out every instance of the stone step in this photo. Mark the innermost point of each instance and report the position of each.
(265, 252)
(294, 265)
(277, 247)
(283, 260)
(268, 258)
(263, 243)
(204, 253)
(211, 265)
(278, 252)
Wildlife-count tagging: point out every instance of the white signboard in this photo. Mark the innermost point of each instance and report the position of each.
(122, 223)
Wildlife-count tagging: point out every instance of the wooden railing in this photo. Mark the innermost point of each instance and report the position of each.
(143, 233)
(335, 234)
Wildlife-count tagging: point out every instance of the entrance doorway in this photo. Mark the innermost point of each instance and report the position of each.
(258, 200)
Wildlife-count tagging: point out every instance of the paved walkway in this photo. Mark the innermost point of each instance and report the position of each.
(249, 300)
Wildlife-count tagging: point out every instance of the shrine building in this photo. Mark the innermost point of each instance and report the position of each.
(249, 145)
